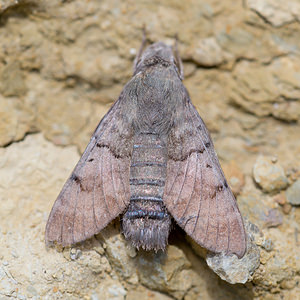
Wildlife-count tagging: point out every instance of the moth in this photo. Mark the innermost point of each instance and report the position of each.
(151, 160)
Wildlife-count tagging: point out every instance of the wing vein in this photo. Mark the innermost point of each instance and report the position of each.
(200, 202)
(101, 174)
(186, 207)
(208, 218)
(113, 180)
(62, 223)
(174, 180)
(184, 178)
(121, 179)
(228, 236)
(203, 144)
(218, 219)
(75, 208)
(94, 187)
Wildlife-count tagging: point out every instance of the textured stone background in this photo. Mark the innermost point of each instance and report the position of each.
(62, 64)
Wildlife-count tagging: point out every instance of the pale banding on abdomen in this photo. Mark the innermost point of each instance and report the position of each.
(146, 223)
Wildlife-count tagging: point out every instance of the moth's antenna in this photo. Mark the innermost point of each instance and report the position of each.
(139, 54)
(178, 60)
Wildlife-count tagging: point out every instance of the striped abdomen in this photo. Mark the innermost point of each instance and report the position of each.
(146, 223)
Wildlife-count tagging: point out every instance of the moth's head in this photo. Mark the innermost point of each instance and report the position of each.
(158, 54)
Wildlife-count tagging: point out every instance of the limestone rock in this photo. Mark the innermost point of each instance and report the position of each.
(169, 272)
(273, 218)
(5, 4)
(16, 119)
(268, 174)
(293, 193)
(276, 12)
(143, 293)
(235, 177)
(120, 253)
(63, 63)
(208, 53)
(109, 289)
(235, 270)
(12, 80)
(264, 90)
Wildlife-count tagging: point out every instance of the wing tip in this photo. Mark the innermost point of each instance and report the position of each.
(64, 243)
(239, 248)
(239, 252)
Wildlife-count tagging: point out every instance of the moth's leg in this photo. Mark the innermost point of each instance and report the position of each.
(178, 60)
(139, 54)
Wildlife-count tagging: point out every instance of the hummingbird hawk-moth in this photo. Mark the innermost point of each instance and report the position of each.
(150, 160)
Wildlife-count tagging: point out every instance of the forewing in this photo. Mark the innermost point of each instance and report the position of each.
(196, 192)
(98, 188)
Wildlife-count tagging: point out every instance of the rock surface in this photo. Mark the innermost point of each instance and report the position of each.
(293, 193)
(62, 64)
(269, 174)
(235, 270)
(277, 12)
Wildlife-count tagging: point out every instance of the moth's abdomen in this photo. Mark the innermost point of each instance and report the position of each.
(148, 168)
(146, 223)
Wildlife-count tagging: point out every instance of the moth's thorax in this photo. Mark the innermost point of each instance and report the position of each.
(154, 102)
